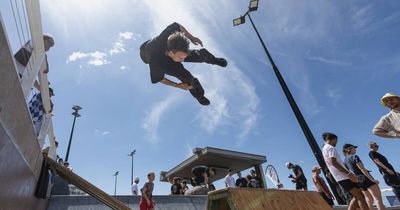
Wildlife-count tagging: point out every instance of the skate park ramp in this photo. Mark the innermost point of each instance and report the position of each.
(258, 199)
(165, 202)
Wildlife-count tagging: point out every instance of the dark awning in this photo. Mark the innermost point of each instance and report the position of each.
(217, 158)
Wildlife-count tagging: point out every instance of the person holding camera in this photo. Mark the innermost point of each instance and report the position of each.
(298, 177)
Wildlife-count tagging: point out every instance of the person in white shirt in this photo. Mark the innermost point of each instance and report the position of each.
(345, 178)
(134, 187)
(389, 124)
(229, 180)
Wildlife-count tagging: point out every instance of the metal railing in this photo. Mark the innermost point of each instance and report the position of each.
(35, 68)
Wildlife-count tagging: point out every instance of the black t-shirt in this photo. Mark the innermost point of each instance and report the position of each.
(376, 155)
(296, 170)
(351, 163)
(176, 189)
(241, 182)
(155, 48)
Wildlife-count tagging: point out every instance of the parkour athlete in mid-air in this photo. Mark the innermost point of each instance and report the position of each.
(165, 54)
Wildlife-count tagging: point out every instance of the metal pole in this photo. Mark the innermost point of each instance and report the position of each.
(132, 172)
(70, 139)
(303, 124)
(115, 186)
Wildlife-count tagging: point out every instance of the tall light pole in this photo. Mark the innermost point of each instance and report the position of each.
(115, 186)
(303, 124)
(132, 154)
(76, 114)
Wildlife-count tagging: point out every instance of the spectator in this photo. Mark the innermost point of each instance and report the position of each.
(346, 179)
(37, 111)
(201, 175)
(241, 181)
(66, 165)
(251, 182)
(255, 178)
(389, 124)
(176, 187)
(391, 177)
(184, 187)
(367, 183)
(229, 180)
(147, 202)
(321, 186)
(23, 55)
(298, 177)
(134, 187)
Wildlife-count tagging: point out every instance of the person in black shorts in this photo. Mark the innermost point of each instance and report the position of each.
(298, 177)
(391, 177)
(165, 54)
(367, 183)
(201, 175)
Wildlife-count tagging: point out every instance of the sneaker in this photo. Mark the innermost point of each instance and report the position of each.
(220, 62)
(203, 101)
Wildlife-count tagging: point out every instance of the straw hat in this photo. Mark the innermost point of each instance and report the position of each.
(387, 95)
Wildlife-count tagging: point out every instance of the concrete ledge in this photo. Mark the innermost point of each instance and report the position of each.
(165, 202)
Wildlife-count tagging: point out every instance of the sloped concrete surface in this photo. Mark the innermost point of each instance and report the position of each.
(163, 202)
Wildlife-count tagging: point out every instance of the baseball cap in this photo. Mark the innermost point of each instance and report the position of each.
(315, 168)
(346, 146)
(136, 179)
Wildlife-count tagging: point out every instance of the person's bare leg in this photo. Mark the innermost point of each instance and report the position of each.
(353, 205)
(356, 193)
(369, 199)
(376, 192)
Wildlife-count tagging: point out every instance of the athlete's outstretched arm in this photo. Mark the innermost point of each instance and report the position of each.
(183, 86)
(192, 38)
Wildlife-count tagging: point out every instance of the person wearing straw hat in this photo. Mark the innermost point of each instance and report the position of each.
(389, 124)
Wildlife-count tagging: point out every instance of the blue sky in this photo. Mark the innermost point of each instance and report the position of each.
(337, 57)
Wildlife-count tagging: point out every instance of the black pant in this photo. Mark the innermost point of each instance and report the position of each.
(179, 71)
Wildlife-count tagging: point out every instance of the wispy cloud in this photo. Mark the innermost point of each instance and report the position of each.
(100, 58)
(328, 61)
(153, 117)
(334, 94)
(101, 132)
(94, 58)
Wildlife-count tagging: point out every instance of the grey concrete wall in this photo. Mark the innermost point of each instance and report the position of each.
(20, 155)
(164, 202)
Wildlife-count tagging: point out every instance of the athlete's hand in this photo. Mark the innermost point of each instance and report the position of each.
(196, 41)
(353, 177)
(184, 86)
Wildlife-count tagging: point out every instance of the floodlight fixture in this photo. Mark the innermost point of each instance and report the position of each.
(239, 21)
(253, 6)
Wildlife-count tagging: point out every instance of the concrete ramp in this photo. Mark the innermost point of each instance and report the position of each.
(260, 199)
(164, 202)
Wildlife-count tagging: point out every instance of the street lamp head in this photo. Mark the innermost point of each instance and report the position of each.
(239, 21)
(76, 108)
(253, 6)
(76, 114)
(116, 173)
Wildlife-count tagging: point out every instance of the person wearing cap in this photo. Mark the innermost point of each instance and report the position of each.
(176, 187)
(255, 179)
(391, 177)
(345, 178)
(368, 184)
(298, 177)
(134, 187)
(321, 186)
(389, 124)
